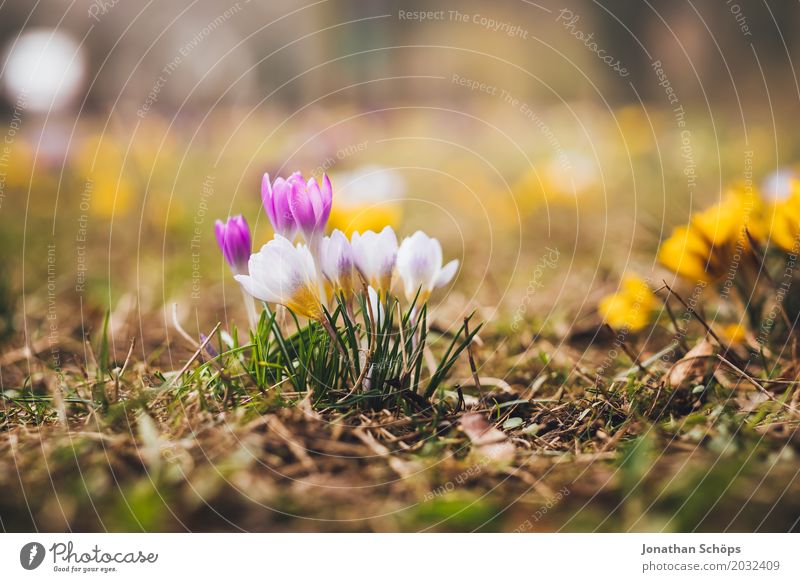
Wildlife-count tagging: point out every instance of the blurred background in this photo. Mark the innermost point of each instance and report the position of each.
(504, 128)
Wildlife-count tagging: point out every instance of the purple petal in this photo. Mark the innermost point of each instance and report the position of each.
(209, 347)
(327, 200)
(219, 232)
(302, 209)
(284, 222)
(242, 246)
(233, 238)
(266, 198)
(315, 197)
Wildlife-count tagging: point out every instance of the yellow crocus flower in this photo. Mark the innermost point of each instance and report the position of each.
(703, 250)
(688, 254)
(367, 198)
(723, 222)
(631, 307)
(779, 219)
(361, 218)
(734, 333)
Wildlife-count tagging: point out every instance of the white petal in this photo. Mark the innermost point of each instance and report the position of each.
(253, 288)
(323, 252)
(389, 238)
(419, 260)
(364, 246)
(304, 262)
(358, 251)
(446, 274)
(278, 270)
(337, 256)
(385, 252)
(376, 312)
(374, 254)
(266, 268)
(289, 273)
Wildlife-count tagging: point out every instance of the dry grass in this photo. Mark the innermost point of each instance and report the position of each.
(127, 449)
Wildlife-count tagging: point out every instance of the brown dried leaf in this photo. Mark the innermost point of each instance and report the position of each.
(751, 401)
(489, 442)
(691, 368)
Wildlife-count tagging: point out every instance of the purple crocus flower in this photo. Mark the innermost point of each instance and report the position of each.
(233, 237)
(275, 198)
(295, 205)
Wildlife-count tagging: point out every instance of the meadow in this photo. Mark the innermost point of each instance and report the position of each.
(564, 348)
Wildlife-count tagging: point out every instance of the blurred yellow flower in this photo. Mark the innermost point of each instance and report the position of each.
(724, 222)
(566, 179)
(101, 161)
(688, 254)
(631, 307)
(703, 250)
(368, 198)
(19, 173)
(363, 218)
(779, 216)
(164, 210)
(734, 333)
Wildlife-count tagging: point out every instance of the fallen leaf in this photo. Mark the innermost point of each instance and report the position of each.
(489, 442)
(691, 368)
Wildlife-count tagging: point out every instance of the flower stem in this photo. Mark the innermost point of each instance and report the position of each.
(250, 307)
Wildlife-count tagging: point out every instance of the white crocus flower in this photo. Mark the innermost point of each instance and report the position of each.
(375, 255)
(419, 264)
(336, 263)
(283, 273)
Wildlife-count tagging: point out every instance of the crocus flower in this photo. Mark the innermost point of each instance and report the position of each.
(778, 217)
(419, 264)
(293, 205)
(233, 237)
(687, 253)
(375, 255)
(780, 222)
(724, 223)
(734, 333)
(368, 198)
(275, 198)
(631, 307)
(336, 258)
(704, 250)
(283, 273)
(311, 206)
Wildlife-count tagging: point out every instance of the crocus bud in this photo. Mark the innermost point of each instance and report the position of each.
(374, 255)
(419, 264)
(233, 238)
(275, 198)
(283, 273)
(336, 263)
